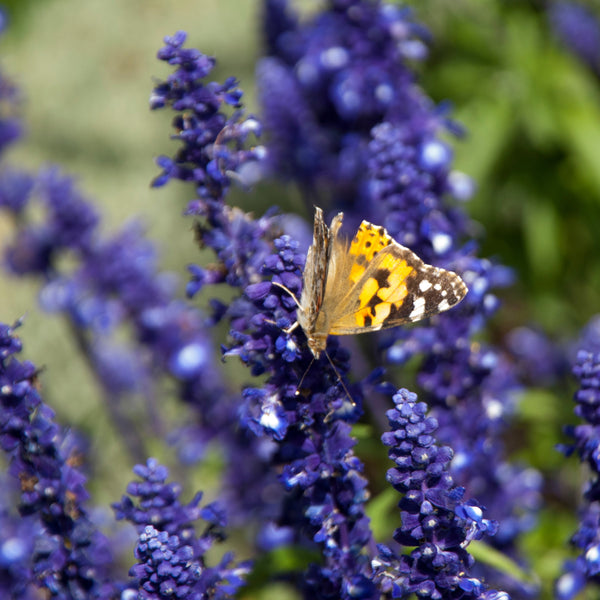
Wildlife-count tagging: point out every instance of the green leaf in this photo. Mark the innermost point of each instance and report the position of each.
(499, 561)
(541, 233)
(381, 511)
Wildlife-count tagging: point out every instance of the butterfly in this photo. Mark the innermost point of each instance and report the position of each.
(366, 284)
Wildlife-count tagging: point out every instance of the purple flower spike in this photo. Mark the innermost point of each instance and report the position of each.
(171, 562)
(585, 570)
(67, 556)
(436, 521)
(327, 81)
(112, 284)
(324, 491)
(212, 144)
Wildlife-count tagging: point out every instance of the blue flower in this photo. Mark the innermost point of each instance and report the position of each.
(327, 82)
(586, 441)
(212, 150)
(113, 282)
(436, 521)
(69, 556)
(312, 449)
(407, 181)
(578, 29)
(171, 561)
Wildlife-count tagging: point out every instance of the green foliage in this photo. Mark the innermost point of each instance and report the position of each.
(532, 115)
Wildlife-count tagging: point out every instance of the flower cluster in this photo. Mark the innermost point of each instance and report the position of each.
(212, 153)
(586, 568)
(113, 282)
(311, 445)
(436, 520)
(60, 550)
(212, 144)
(408, 181)
(170, 554)
(349, 123)
(325, 84)
(58, 547)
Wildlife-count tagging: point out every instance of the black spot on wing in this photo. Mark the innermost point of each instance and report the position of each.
(401, 311)
(382, 278)
(374, 301)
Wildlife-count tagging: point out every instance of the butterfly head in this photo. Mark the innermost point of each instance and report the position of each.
(316, 344)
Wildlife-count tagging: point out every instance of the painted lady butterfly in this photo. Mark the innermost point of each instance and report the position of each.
(367, 284)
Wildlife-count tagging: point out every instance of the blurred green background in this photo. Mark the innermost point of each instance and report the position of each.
(531, 112)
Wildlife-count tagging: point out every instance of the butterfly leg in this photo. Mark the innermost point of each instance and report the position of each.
(294, 325)
(291, 328)
(288, 330)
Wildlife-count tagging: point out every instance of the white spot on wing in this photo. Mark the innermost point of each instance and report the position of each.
(443, 305)
(418, 310)
(424, 285)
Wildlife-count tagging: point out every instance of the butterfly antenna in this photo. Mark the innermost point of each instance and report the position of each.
(340, 378)
(303, 376)
(280, 285)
